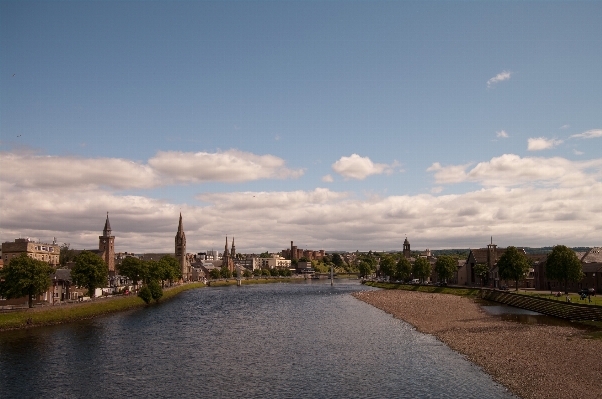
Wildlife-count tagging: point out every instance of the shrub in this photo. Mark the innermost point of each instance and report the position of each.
(155, 290)
(145, 294)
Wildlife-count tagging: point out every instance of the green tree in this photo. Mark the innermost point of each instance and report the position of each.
(445, 267)
(146, 294)
(247, 273)
(421, 269)
(66, 254)
(365, 268)
(171, 269)
(337, 260)
(90, 271)
(563, 265)
(481, 270)
(225, 272)
(513, 265)
(265, 272)
(132, 268)
(215, 274)
(387, 266)
(155, 290)
(257, 272)
(403, 269)
(265, 254)
(24, 276)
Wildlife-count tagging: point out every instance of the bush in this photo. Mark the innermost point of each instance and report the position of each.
(145, 294)
(155, 290)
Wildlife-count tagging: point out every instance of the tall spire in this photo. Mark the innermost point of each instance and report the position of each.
(226, 247)
(180, 225)
(107, 230)
(233, 250)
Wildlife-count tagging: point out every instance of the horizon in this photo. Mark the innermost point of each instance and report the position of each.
(344, 125)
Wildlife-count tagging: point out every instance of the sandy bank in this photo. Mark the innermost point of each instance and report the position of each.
(533, 361)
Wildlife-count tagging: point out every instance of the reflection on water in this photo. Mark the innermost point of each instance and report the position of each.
(510, 313)
(307, 340)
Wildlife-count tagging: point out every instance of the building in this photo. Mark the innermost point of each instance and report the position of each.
(48, 253)
(406, 249)
(180, 252)
(591, 264)
(106, 246)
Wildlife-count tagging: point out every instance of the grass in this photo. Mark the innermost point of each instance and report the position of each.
(68, 313)
(596, 300)
(468, 292)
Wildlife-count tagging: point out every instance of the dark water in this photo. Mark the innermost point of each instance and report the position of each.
(307, 340)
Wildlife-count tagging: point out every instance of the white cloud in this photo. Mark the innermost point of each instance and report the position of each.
(228, 166)
(577, 152)
(356, 167)
(317, 219)
(590, 134)
(500, 77)
(542, 143)
(436, 190)
(502, 134)
(565, 126)
(32, 170)
(512, 170)
(327, 179)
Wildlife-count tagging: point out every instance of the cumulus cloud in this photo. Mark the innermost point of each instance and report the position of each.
(228, 166)
(542, 143)
(315, 219)
(590, 134)
(33, 170)
(327, 179)
(502, 134)
(357, 167)
(500, 77)
(512, 170)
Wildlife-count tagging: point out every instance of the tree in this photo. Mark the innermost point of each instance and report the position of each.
(90, 271)
(445, 267)
(387, 266)
(403, 269)
(257, 272)
(66, 254)
(215, 274)
(563, 265)
(513, 265)
(247, 273)
(155, 290)
(365, 268)
(421, 269)
(133, 268)
(225, 272)
(24, 276)
(171, 269)
(145, 294)
(481, 270)
(337, 260)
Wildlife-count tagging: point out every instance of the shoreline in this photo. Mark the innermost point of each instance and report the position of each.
(533, 361)
(61, 314)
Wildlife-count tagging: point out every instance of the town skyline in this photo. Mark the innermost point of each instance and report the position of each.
(341, 126)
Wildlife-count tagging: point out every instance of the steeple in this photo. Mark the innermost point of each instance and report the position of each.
(180, 225)
(225, 256)
(107, 230)
(233, 250)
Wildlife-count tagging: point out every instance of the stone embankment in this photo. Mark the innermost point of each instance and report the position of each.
(532, 361)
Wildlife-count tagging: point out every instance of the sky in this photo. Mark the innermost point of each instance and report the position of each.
(338, 125)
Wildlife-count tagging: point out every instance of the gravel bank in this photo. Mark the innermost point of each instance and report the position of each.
(533, 361)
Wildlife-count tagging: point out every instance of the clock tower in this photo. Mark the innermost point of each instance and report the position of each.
(106, 246)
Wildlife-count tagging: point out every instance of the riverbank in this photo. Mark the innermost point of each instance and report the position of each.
(532, 361)
(48, 315)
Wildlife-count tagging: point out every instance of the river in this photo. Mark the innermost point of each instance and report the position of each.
(301, 340)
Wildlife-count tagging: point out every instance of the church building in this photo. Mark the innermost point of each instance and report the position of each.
(106, 247)
(180, 252)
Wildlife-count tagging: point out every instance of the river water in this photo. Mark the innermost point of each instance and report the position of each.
(302, 340)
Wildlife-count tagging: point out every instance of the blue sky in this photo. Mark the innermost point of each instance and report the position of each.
(340, 125)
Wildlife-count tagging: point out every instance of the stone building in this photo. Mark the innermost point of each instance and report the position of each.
(48, 253)
(106, 247)
(406, 249)
(229, 255)
(180, 252)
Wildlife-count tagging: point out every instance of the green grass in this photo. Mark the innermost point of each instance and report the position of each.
(468, 292)
(596, 300)
(67, 313)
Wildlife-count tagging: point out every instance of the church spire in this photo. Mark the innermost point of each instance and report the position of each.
(180, 225)
(233, 250)
(226, 248)
(107, 230)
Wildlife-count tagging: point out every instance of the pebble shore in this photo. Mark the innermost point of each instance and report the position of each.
(531, 360)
